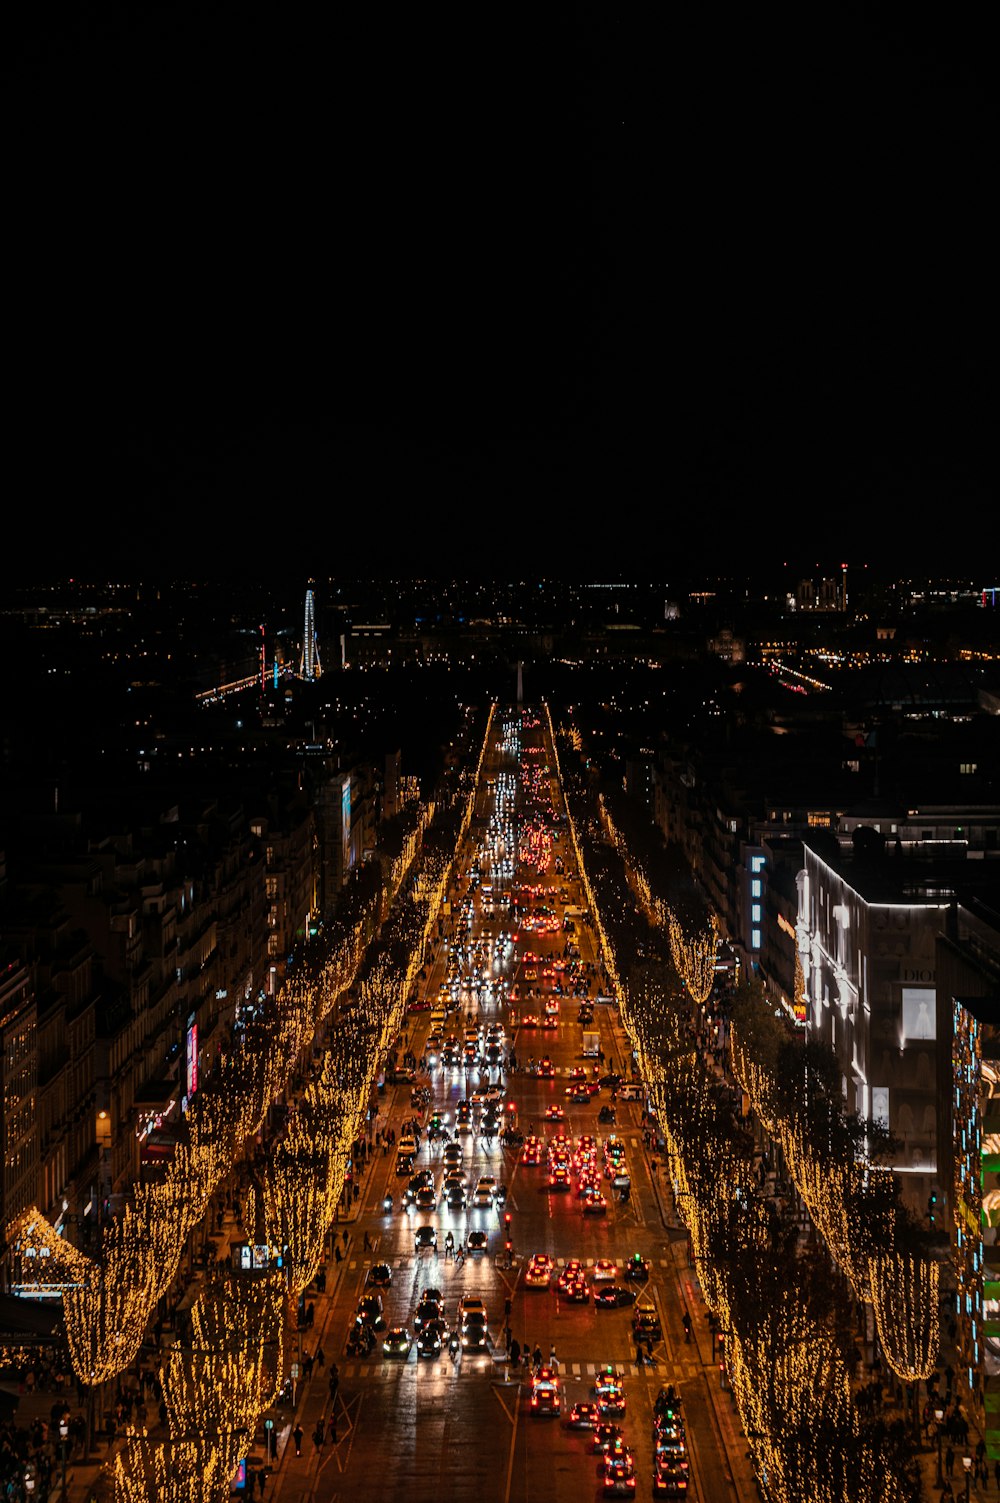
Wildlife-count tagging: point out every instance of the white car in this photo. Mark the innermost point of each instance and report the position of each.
(630, 1092)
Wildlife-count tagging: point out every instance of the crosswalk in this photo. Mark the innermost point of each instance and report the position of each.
(478, 1367)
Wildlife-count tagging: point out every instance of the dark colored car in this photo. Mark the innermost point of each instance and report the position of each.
(428, 1311)
(646, 1322)
(636, 1269)
(477, 1242)
(379, 1275)
(369, 1311)
(397, 1342)
(431, 1338)
(613, 1295)
(424, 1237)
(585, 1416)
(475, 1333)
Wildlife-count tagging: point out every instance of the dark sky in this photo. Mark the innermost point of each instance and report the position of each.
(511, 294)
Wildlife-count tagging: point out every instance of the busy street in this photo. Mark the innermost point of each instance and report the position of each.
(510, 1304)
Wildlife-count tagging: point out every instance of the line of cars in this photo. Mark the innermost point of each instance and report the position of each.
(431, 1334)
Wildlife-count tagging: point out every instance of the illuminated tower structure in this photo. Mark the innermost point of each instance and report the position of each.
(309, 664)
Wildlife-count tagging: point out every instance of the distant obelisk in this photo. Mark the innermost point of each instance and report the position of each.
(520, 685)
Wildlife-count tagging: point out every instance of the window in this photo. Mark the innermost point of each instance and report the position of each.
(967, 767)
(755, 939)
(755, 913)
(918, 1013)
(756, 887)
(756, 863)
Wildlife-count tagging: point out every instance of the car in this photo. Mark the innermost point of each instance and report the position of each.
(425, 1237)
(631, 1091)
(404, 1164)
(554, 1113)
(401, 1076)
(455, 1197)
(397, 1342)
(636, 1269)
(369, 1312)
(475, 1333)
(418, 1182)
(470, 1304)
(594, 1203)
(546, 1397)
(546, 1068)
(550, 1020)
(604, 1271)
(611, 1401)
(578, 1091)
(477, 1242)
(406, 1146)
(427, 1311)
(559, 1177)
(487, 1095)
(583, 1416)
(577, 1292)
(529, 1020)
(607, 1114)
(573, 1270)
(613, 1295)
(619, 1474)
(646, 1322)
(482, 1198)
(431, 1338)
(608, 1436)
(670, 1479)
(454, 1153)
(531, 1152)
(426, 1199)
(538, 1272)
(379, 1275)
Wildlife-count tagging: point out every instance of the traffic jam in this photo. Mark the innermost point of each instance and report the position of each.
(488, 1102)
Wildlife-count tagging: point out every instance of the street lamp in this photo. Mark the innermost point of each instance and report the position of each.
(939, 1416)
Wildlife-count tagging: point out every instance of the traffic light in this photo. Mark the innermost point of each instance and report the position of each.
(932, 1207)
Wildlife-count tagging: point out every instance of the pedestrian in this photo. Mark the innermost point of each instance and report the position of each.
(537, 1357)
(320, 1358)
(686, 1322)
(338, 1255)
(553, 1359)
(297, 1437)
(333, 1426)
(638, 1353)
(515, 1357)
(368, 1243)
(319, 1434)
(649, 1351)
(949, 1461)
(996, 1475)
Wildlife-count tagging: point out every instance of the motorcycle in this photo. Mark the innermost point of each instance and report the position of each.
(387, 1205)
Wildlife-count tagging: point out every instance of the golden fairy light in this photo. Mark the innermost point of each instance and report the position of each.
(42, 1257)
(904, 1296)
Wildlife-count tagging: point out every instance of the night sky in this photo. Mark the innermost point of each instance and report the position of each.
(495, 297)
